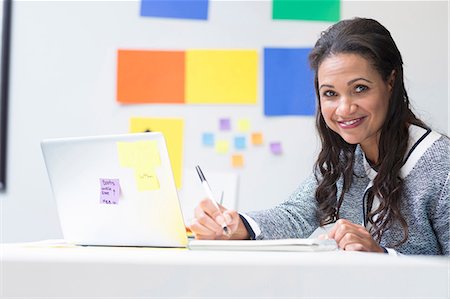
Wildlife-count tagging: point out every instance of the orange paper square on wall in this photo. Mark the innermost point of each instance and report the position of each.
(237, 160)
(257, 138)
(150, 76)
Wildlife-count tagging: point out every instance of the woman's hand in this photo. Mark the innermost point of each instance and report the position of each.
(350, 236)
(208, 220)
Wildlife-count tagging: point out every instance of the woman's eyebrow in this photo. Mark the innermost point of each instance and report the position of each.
(326, 85)
(357, 79)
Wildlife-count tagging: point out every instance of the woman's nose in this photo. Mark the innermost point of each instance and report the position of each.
(345, 107)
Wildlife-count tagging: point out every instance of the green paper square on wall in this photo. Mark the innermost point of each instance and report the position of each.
(310, 10)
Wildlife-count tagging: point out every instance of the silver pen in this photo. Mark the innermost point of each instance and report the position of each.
(209, 194)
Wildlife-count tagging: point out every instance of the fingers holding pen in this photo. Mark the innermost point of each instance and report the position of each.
(208, 207)
(207, 221)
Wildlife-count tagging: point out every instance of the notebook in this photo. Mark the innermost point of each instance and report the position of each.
(265, 245)
(115, 190)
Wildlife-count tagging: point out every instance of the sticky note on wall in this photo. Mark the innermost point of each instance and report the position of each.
(240, 142)
(276, 148)
(288, 82)
(237, 161)
(150, 76)
(208, 139)
(221, 76)
(172, 129)
(311, 10)
(243, 125)
(257, 138)
(185, 9)
(222, 146)
(224, 124)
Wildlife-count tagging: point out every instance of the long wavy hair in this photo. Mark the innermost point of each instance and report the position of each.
(371, 40)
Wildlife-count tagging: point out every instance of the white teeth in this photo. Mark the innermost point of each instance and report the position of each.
(350, 122)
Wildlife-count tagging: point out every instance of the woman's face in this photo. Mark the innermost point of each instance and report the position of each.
(354, 100)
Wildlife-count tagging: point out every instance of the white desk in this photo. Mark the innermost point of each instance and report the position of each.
(36, 270)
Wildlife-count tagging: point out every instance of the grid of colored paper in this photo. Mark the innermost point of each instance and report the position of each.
(220, 77)
(239, 143)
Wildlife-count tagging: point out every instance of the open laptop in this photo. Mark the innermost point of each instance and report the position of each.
(115, 190)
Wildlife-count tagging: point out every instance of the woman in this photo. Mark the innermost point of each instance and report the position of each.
(382, 177)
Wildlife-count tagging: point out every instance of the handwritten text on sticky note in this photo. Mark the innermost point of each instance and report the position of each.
(109, 191)
(146, 179)
(143, 157)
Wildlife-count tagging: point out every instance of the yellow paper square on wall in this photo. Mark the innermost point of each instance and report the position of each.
(243, 125)
(222, 146)
(221, 76)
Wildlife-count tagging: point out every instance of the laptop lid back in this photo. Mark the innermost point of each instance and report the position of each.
(115, 190)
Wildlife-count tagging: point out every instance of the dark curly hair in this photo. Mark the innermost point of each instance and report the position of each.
(371, 40)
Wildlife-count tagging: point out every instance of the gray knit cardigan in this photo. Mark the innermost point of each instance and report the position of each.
(424, 205)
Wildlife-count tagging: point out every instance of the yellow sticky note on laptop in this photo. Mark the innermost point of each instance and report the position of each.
(221, 76)
(172, 129)
(127, 154)
(147, 154)
(146, 179)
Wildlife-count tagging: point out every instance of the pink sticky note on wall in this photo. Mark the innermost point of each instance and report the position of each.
(109, 191)
(224, 124)
(275, 148)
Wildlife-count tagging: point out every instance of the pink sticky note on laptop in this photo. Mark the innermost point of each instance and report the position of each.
(109, 191)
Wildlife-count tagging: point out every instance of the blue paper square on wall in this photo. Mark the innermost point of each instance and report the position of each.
(208, 139)
(239, 142)
(288, 82)
(180, 9)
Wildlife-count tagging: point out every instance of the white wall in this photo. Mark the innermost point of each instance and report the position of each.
(63, 84)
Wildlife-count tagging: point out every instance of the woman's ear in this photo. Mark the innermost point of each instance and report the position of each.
(391, 80)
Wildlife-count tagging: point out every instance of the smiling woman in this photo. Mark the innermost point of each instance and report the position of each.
(5, 21)
(381, 180)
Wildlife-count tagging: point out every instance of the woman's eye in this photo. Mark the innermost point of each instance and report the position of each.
(329, 93)
(361, 88)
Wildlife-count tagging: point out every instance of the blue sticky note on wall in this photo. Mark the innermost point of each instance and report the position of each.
(208, 139)
(180, 9)
(239, 142)
(288, 82)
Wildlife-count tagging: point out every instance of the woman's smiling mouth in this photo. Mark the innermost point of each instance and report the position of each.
(348, 124)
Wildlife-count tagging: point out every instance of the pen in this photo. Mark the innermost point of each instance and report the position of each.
(209, 194)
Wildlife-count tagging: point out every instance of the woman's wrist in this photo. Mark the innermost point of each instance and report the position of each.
(241, 232)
